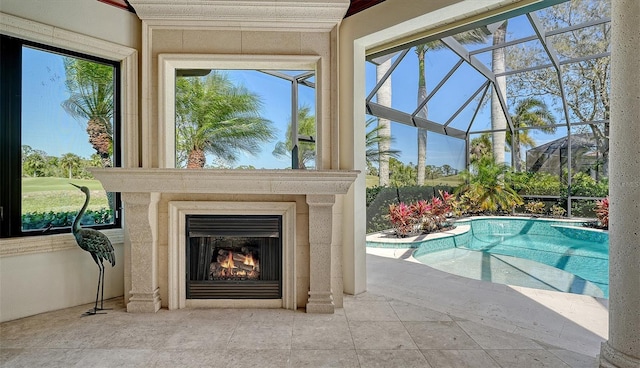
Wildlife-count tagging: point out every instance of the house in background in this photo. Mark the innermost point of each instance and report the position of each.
(322, 211)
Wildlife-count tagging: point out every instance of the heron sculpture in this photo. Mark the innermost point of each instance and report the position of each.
(97, 244)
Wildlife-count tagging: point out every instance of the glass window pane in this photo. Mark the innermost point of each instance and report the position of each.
(67, 127)
(241, 119)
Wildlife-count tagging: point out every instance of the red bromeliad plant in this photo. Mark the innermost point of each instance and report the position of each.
(402, 219)
(602, 211)
(425, 216)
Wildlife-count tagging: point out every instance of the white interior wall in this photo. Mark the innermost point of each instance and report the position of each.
(54, 273)
(45, 281)
(88, 17)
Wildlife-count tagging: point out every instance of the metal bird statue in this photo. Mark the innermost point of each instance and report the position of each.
(97, 244)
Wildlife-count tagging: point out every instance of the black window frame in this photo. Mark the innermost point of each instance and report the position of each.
(11, 134)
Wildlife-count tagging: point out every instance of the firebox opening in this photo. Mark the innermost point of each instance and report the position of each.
(234, 257)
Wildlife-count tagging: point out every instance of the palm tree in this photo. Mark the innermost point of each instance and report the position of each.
(374, 137)
(498, 118)
(421, 50)
(529, 112)
(217, 117)
(383, 97)
(306, 150)
(70, 161)
(34, 164)
(480, 147)
(487, 186)
(90, 87)
(472, 36)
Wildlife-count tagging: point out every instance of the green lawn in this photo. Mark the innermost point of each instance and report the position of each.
(57, 195)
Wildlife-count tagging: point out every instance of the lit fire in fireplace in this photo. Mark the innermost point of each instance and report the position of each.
(235, 265)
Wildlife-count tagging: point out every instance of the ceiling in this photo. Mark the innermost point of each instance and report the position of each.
(356, 6)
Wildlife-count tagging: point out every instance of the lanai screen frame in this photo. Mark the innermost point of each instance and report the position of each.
(468, 57)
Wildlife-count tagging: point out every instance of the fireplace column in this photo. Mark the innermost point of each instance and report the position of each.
(320, 234)
(141, 219)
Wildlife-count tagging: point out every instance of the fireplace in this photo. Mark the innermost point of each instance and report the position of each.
(155, 231)
(233, 257)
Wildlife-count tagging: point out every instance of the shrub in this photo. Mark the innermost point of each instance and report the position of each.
(421, 216)
(535, 207)
(379, 199)
(489, 187)
(42, 220)
(557, 211)
(602, 212)
(402, 219)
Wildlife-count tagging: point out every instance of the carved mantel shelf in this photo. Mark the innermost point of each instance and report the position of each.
(142, 189)
(266, 14)
(305, 182)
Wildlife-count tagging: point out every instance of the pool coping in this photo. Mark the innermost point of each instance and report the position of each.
(388, 236)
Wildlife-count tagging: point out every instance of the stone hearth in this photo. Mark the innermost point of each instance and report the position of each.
(156, 200)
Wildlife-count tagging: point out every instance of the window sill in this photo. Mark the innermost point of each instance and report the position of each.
(48, 243)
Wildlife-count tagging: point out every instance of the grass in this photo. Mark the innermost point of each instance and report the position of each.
(55, 194)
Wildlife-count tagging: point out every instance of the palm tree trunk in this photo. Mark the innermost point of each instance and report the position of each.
(498, 118)
(100, 140)
(422, 133)
(516, 151)
(196, 159)
(384, 145)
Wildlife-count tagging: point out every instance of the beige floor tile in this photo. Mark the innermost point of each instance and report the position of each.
(410, 312)
(216, 314)
(261, 335)
(324, 358)
(199, 334)
(142, 335)
(369, 311)
(268, 315)
(392, 358)
(7, 354)
(50, 358)
(380, 335)
(201, 358)
(273, 358)
(575, 360)
(490, 338)
(439, 335)
(321, 335)
(521, 358)
(302, 315)
(98, 358)
(459, 359)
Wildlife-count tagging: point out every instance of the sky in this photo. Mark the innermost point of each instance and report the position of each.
(49, 128)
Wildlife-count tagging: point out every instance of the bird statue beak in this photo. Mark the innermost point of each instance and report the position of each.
(75, 185)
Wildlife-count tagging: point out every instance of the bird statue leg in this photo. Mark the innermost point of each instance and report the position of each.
(94, 311)
(102, 292)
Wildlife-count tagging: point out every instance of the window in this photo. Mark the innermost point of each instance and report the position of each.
(201, 93)
(59, 116)
(242, 119)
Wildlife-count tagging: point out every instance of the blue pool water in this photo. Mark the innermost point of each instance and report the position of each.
(554, 255)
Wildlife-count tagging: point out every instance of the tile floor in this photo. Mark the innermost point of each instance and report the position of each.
(412, 316)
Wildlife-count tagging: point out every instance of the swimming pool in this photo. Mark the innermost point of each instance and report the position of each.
(541, 253)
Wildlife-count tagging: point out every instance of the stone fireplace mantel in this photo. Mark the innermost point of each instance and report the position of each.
(142, 180)
(142, 189)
